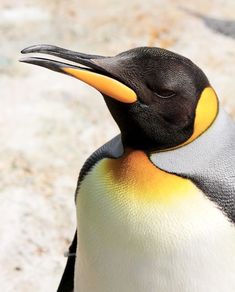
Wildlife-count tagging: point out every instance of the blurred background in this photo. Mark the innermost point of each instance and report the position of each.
(50, 123)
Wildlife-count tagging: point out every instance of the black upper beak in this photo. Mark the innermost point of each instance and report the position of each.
(80, 58)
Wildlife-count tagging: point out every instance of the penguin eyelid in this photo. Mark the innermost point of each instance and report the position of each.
(164, 93)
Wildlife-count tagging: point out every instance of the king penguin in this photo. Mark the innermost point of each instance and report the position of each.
(155, 205)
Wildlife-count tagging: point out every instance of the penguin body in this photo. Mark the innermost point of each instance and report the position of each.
(155, 205)
(173, 230)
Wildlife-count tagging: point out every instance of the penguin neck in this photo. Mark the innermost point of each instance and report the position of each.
(142, 144)
(129, 152)
(127, 148)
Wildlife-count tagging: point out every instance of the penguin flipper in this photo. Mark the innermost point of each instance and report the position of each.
(67, 280)
(112, 149)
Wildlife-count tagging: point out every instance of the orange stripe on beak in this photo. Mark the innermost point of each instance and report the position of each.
(104, 84)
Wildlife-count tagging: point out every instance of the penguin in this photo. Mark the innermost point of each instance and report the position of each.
(155, 205)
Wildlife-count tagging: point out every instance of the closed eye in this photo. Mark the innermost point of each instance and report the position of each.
(164, 93)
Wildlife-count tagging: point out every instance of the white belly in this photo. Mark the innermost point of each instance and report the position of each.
(131, 245)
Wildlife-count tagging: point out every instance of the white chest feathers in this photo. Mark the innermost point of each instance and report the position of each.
(141, 229)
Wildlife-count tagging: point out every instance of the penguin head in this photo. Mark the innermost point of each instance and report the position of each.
(160, 100)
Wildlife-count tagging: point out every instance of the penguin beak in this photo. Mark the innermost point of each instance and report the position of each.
(93, 73)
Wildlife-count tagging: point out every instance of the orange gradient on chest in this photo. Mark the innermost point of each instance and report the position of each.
(135, 176)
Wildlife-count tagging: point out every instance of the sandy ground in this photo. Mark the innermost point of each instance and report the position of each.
(50, 123)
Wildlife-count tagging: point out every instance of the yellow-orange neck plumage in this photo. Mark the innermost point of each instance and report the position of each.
(139, 176)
